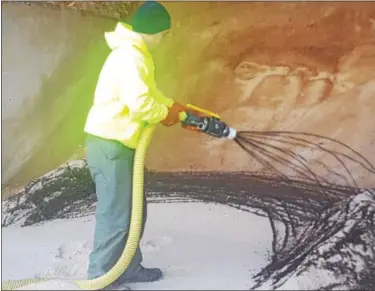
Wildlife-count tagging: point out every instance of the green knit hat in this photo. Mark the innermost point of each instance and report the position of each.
(150, 18)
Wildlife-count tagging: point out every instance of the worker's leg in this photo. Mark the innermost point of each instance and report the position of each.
(111, 166)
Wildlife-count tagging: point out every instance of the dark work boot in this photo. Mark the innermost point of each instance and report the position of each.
(144, 275)
(116, 286)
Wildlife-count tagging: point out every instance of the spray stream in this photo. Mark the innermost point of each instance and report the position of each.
(283, 153)
(290, 155)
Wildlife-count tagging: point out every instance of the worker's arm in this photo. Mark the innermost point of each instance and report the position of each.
(136, 89)
(175, 109)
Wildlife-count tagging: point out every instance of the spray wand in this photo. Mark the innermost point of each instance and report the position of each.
(201, 120)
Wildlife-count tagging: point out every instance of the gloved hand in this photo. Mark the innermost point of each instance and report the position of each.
(173, 116)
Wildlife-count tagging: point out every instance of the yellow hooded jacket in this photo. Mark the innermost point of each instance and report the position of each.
(126, 96)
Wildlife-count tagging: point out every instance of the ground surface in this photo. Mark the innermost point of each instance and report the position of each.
(215, 250)
(259, 233)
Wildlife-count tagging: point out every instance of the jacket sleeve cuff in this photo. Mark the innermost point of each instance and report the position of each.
(169, 102)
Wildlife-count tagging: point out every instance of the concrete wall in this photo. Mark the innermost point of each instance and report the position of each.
(50, 63)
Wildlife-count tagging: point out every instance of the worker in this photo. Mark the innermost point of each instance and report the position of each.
(126, 99)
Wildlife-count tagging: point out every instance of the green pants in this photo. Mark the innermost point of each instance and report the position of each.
(111, 168)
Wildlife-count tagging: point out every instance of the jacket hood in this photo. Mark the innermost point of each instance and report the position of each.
(124, 35)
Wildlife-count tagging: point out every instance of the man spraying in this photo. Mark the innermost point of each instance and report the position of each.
(126, 99)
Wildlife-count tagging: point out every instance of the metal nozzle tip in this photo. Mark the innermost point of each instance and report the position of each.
(232, 133)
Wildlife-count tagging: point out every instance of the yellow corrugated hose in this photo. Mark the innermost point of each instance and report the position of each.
(134, 232)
